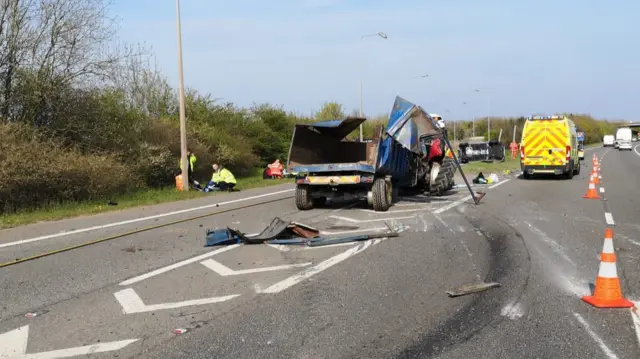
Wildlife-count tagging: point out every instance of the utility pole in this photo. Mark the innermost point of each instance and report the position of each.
(183, 122)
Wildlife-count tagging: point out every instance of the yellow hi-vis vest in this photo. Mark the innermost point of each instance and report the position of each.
(223, 175)
(191, 159)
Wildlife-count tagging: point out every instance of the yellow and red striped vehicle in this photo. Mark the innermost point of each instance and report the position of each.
(549, 145)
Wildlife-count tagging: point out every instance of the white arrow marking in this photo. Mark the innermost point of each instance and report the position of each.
(226, 271)
(368, 220)
(295, 279)
(132, 303)
(13, 345)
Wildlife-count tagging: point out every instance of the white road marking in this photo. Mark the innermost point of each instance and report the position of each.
(635, 315)
(114, 224)
(290, 247)
(601, 189)
(609, 218)
(603, 346)
(132, 303)
(499, 183)
(635, 149)
(454, 204)
(225, 271)
(307, 273)
(353, 220)
(398, 211)
(178, 265)
(13, 344)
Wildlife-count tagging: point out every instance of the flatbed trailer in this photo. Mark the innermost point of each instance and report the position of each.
(328, 166)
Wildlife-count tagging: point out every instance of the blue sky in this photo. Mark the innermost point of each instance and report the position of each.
(525, 56)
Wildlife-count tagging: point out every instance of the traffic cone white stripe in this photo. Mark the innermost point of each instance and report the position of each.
(608, 270)
(608, 246)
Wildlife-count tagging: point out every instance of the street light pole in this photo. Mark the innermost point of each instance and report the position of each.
(384, 37)
(488, 113)
(183, 122)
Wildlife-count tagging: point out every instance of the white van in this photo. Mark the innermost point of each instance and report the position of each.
(623, 137)
(608, 140)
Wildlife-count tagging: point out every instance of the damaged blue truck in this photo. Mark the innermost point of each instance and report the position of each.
(408, 155)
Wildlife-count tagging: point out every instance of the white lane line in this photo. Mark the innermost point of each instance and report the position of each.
(177, 265)
(635, 149)
(609, 218)
(454, 204)
(601, 189)
(114, 224)
(635, 315)
(397, 211)
(499, 183)
(14, 345)
(347, 219)
(132, 303)
(225, 271)
(307, 273)
(603, 346)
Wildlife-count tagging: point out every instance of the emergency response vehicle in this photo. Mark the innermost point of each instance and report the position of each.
(549, 145)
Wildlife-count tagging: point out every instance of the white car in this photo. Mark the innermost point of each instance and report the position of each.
(623, 138)
(608, 140)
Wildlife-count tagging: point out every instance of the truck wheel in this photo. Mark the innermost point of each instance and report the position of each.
(577, 171)
(443, 181)
(382, 193)
(303, 198)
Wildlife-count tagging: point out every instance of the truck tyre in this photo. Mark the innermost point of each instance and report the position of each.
(444, 180)
(382, 193)
(577, 171)
(303, 198)
(449, 168)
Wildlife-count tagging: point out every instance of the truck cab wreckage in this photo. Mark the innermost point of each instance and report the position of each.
(409, 155)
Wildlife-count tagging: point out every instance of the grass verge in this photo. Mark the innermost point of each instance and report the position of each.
(147, 197)
(472, 169)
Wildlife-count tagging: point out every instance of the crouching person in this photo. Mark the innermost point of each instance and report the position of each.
(222, 179)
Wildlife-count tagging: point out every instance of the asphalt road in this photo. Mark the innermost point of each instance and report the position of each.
(378, 299)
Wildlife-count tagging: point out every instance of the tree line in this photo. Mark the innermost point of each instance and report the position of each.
(82, 119)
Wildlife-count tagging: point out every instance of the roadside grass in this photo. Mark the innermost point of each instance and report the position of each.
(472, 169)
(64, 210)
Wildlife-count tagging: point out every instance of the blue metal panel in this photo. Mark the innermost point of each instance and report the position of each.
(338, 128)
(408, 122)
(393, 159)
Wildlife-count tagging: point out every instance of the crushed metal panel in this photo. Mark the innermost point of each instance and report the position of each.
(338, 128)
(408, 122)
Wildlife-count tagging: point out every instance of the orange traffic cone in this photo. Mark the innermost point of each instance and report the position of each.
(596, 178)
(591, 192)
(608, 293)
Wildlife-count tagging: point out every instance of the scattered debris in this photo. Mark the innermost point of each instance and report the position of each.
(473, 288)
(179, 331)
(112, 203)
(276, 229)
(30, 315)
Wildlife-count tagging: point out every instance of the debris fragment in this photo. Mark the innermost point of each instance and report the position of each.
(179, 331)
(473, 288)
(277, 229)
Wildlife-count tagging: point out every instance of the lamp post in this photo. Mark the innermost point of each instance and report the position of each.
(183, 123)
(488, 113)
(384, 37)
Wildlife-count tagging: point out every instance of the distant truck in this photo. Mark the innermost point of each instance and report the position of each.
(623, 137)
(608, 140)
(580, 136)
(408, 154)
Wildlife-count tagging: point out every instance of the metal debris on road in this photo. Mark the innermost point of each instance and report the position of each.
(277, 229)
(473, 288)
(179, 331)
